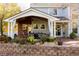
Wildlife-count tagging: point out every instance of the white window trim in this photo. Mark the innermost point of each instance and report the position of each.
(41, 25)
(34, 26)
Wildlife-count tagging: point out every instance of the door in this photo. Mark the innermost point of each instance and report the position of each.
(24, 29)
(58, 30)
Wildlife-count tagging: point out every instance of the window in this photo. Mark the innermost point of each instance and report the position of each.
(24, 26)
(75, 30)
(35, 26)
(75, 27)
(55, 12)
(42, 26)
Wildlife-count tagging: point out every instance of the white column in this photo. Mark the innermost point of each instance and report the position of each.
(13, 23)
(54, 29)
(69, 12)
(50, 26)
(9, 29)
(69, 28)
(78, 26)
(61, 31)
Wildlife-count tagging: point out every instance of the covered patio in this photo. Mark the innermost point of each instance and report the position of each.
(35, 21)
(32, 24)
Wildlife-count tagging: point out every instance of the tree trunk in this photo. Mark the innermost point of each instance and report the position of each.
(1, 27)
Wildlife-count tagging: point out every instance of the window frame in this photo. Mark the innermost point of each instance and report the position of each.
(34, 25)
(41, 26)
(55, 12)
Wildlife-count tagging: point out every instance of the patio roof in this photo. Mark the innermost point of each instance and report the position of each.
(61, 18)
(30, 11)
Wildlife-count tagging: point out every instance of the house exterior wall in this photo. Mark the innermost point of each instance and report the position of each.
(37, 21)
(65, 10)
(40, 22)
(50, 10)
(68, 10)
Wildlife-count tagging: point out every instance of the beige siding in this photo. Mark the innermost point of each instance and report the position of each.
(40, 22)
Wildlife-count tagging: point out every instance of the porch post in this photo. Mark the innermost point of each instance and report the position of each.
(9, 29)
(61, 31)
(50, 27)
(69, 28)
(54, 29)
(78, 26)
(13, 23)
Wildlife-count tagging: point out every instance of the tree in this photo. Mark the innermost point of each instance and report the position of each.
(6, 11)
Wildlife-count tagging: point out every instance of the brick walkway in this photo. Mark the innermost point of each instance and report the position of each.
(11, 49)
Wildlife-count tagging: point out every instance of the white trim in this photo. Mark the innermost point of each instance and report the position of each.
(69, 28)
(30, 10)
(54, 29)
(50, 27)
(78, 26)
(8, 28)
(62, 21)
(33, 12)
(60, 30)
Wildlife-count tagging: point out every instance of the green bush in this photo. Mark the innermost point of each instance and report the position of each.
(5, 39)
(31, 39)
(46, 38)
(20, 40)
(23, 41)
(50, 39)
(16, 39)
(43, 38)
(73, 35)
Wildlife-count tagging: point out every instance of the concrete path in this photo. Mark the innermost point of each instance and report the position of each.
(71, 43)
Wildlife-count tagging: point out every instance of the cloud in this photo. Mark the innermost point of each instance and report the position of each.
(24, 6)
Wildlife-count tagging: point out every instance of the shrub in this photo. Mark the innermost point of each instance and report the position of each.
(5, 39)
(15, 35)
(20, 40)
(45, 38)
(23, 41)
(9, 39)
(50, 39)
(16, 39)
(31, 39)
(36, 36)
(73, 35)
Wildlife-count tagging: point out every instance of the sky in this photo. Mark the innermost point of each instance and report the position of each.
(24, 4)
